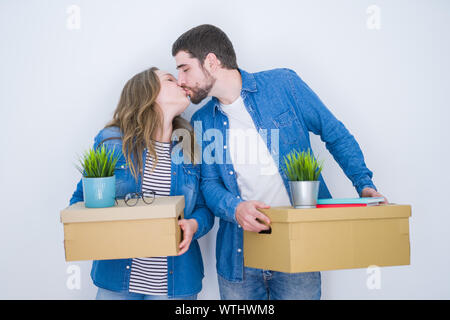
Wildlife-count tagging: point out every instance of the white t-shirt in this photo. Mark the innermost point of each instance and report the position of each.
(256, 172)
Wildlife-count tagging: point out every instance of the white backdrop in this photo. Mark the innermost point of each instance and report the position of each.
(381, 67)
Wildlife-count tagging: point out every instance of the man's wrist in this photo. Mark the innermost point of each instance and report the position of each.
(371, 186)
(194, 224)
(236, 205)
(363, 190)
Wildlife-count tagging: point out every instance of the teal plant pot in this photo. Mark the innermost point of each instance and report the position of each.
(99, 192)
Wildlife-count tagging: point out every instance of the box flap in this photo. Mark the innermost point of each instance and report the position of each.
(162, 207)
(290, 214)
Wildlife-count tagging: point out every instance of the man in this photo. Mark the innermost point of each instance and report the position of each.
(274, 111)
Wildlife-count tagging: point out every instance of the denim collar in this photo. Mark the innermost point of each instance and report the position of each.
(248, 84)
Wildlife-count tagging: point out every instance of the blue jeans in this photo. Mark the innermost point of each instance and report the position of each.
(261, 284)
(104, 294)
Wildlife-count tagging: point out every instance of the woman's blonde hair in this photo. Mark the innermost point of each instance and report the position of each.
(139, 118)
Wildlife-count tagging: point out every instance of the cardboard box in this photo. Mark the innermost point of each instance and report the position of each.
(121, 231)
(303, 240)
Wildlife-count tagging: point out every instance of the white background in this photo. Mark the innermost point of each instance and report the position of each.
(389, 86)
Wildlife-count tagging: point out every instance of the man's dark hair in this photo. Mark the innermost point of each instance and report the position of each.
(203, 39)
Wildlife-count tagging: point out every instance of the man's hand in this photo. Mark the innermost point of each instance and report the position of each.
(247, 213)
(189, 227)
(370, 192)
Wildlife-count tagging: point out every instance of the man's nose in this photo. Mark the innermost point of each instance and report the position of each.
(180, 80)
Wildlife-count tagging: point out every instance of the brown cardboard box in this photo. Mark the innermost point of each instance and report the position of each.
(303, 240)
(121, 231)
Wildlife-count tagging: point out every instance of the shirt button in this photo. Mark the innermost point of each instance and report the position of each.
(128, 267)
(224, 147)
(231, 172)
(174, 173)
(171, 272)
(225, 123)
(238, 197)
(239, 226)
(239, 250)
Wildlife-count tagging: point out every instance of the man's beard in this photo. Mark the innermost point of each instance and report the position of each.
(198, 94)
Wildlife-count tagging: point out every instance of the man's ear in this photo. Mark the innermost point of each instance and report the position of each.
(211, 63)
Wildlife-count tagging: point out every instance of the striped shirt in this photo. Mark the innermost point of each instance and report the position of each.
(149, 275)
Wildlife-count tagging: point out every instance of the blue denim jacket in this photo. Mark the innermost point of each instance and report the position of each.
(275, 99)
(185, 272)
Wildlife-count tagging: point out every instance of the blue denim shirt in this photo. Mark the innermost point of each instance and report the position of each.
(275, 99)
(185, 272)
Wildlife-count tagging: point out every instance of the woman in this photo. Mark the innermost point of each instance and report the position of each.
(141, 131)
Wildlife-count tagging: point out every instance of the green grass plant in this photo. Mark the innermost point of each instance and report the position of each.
(98, 163)
(302, 166)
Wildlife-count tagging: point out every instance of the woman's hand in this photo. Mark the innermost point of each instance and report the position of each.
(189, 227)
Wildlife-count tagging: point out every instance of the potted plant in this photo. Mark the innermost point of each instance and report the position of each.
(303, 172)
(99, 181)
